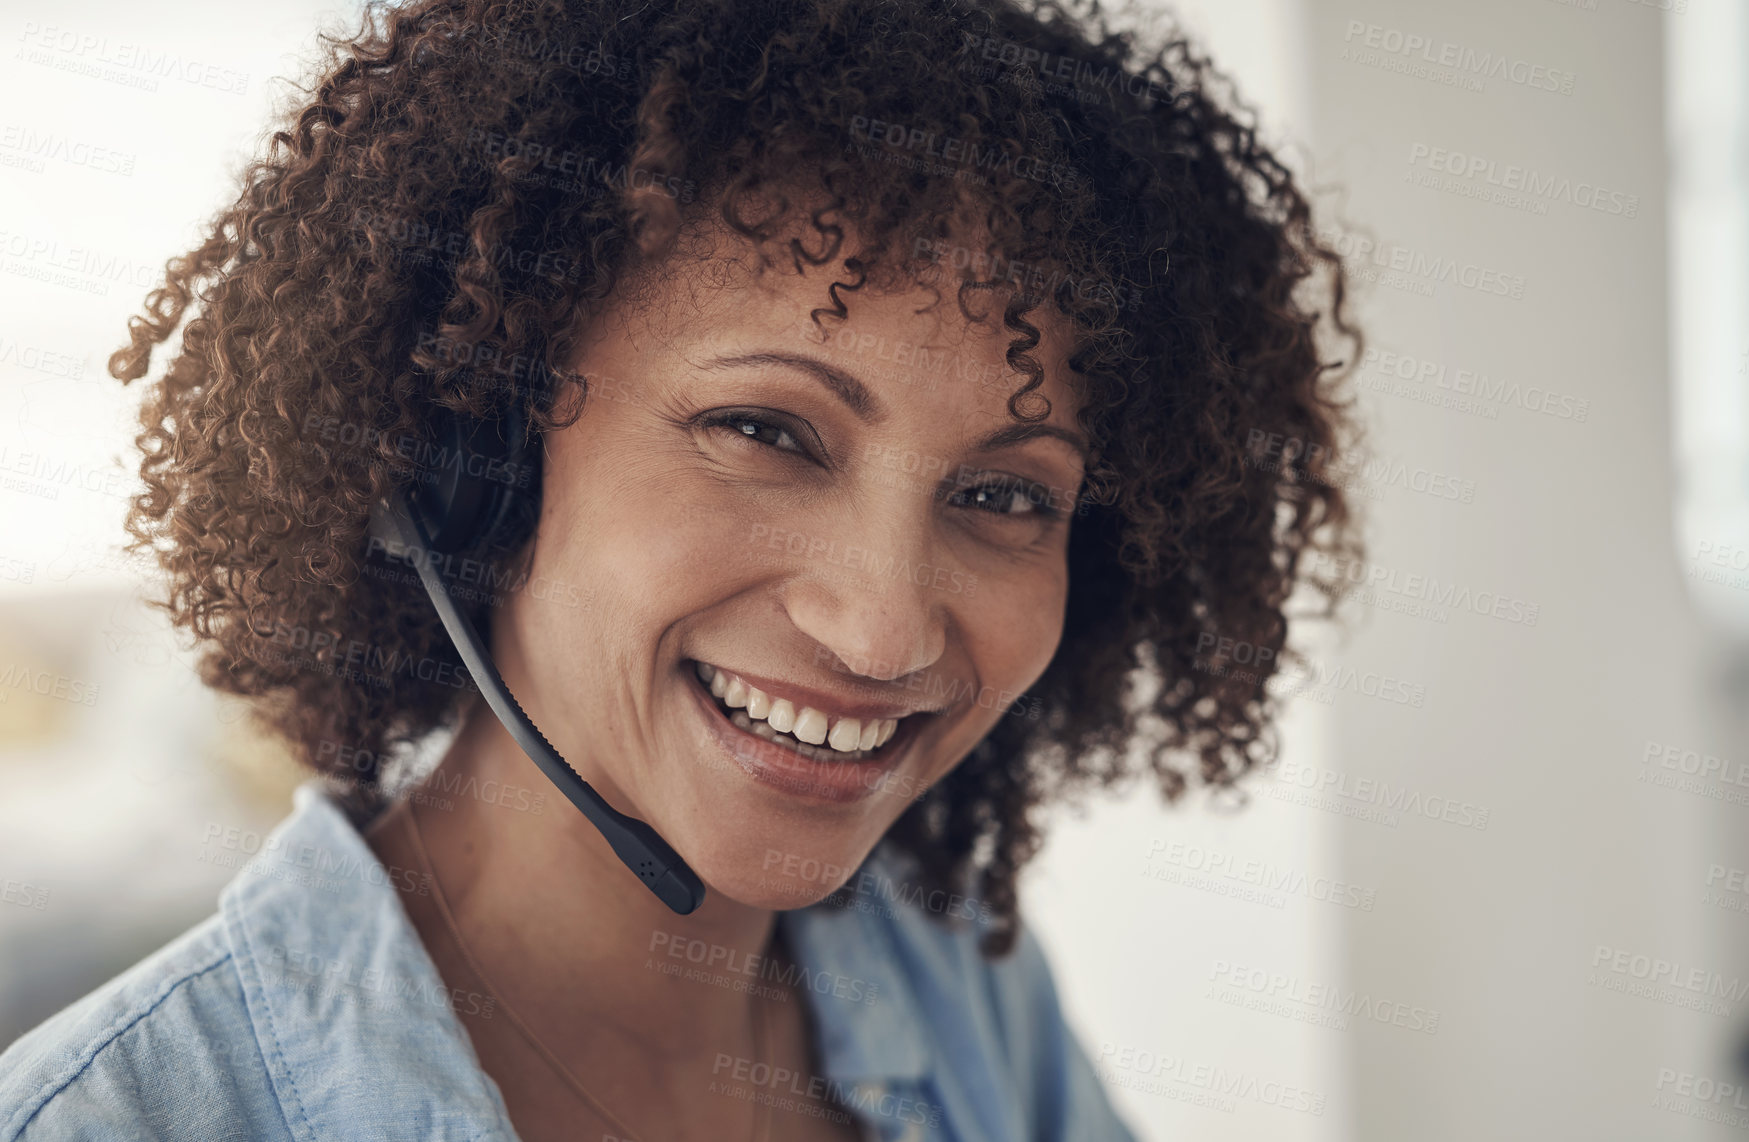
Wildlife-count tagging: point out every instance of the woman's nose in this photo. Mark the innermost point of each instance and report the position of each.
(867, 594)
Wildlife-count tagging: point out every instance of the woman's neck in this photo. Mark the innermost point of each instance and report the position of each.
(564, 933)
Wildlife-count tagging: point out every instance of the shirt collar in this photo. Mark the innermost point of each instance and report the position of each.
(354, 1021)
(878, 1033)
(357, 1027)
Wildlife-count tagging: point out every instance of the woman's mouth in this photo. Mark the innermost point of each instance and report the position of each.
(786, 760)
(813, 733)
(856, 749)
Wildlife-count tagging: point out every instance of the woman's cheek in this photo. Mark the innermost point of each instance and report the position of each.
(1015, 619)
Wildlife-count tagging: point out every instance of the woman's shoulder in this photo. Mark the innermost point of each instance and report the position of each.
(934, 937)
(981, 1039)
(123, 1060)
(305, 1009)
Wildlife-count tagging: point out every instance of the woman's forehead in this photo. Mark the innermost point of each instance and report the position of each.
(906, 338)
(895, 312)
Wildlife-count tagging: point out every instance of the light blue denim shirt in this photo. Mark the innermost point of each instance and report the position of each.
(306, 1008)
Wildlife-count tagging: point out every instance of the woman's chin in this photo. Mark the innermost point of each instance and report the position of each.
(775, 877)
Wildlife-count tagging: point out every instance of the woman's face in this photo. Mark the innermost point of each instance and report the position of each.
(846, 532)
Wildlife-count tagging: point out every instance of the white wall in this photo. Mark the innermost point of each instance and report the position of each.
(1546, 725)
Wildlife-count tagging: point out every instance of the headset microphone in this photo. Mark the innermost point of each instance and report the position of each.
(481, 465)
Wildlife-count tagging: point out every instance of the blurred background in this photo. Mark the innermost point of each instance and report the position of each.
(1497, 887)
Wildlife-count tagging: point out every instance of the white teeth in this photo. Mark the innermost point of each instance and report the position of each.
(846, 732)
(759, 712)
(810, 725)
(742, 721)
(826, 754)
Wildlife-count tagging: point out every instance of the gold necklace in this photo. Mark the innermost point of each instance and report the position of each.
(761, 1108)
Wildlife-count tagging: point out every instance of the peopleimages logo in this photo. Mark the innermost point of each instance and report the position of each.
(1460, 59)
(38, 146)
(1193, 865)
(1667, 981)
(1047, 66)
(1533, 183)
(1361, 253)
(1278, 993)
(45, 683)
(957, 152)
(1690, 1085)
(40, 360)
(141, 65)
(862, 559)
(1371, 580)
(1471, 383)
(866, 1098)
(715, 957)
(1118, 1063)
(1378, 794)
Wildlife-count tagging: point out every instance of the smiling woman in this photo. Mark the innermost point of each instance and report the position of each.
(854, 676)
(886, 465)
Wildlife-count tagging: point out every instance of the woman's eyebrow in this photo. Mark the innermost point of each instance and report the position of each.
(863, 403)
(1016, 433)
(845, 387)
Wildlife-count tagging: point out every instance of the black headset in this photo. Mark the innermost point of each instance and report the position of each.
(468, 495)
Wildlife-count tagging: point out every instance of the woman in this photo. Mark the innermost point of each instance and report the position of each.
(880, 409)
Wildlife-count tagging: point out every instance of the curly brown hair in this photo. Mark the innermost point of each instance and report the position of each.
(465, 179)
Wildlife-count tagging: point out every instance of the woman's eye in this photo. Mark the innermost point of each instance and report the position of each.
(1007, 497)
(754, 428)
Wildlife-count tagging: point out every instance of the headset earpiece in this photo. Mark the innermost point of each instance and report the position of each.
(470, 479)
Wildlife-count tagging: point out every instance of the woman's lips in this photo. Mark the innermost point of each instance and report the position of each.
(770, 715)
(843, 779)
